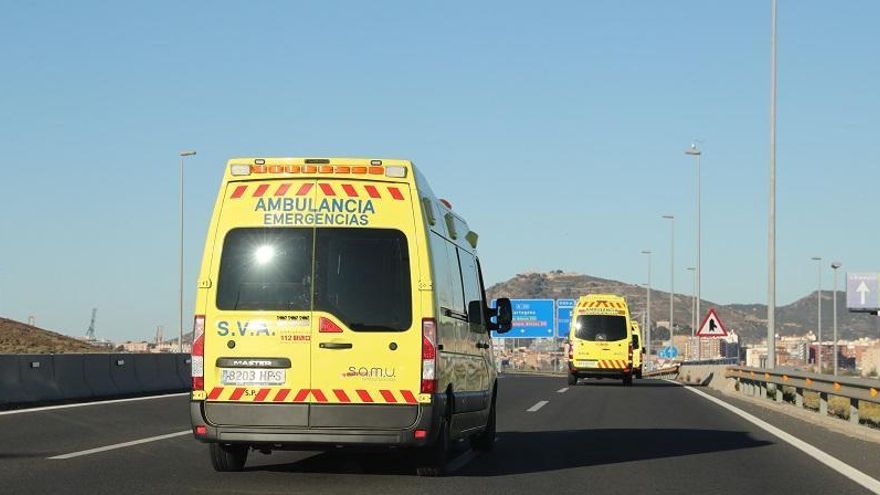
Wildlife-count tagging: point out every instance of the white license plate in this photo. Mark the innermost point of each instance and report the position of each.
(588, 364)
(252, 376)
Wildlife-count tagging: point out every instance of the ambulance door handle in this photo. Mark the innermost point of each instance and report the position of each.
(335, 345)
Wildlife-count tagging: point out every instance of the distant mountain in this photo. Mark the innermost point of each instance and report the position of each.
(747, 320)
(20, 338)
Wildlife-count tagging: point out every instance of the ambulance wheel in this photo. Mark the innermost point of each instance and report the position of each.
(485, 441)
(572, 379)
(639, 373)
(628, 379)
(432, 459)
(228, 458)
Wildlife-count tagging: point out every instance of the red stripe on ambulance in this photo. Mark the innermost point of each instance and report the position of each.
(238, 192)
(261, 190)
(350, 190)
(304, 189)
(395, 193)
(372, 191)
(282, 189)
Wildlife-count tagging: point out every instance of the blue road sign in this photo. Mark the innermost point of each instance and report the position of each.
(564, 309)
(668, 352)
(532, 319)
(862, 291)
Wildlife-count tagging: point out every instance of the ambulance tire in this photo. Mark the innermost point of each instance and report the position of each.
(228, 458)
(432, 459)
(628, 380)
(572, 379)
(485, 441)
(639, 372)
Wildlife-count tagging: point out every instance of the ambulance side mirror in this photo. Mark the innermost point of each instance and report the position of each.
(504, 315)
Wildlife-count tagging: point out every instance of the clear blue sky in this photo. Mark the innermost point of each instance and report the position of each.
(557, 129)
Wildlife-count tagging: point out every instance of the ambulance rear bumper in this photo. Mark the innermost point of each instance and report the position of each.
(380, 434)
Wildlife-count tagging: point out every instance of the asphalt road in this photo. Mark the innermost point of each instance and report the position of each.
(600, 437)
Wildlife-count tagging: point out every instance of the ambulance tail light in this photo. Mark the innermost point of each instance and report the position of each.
(429, 356)
(630, 353)
(198, 353)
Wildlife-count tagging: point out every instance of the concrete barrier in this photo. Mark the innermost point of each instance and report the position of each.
(146, 370)
(123, 374)
(37, 373)
(11, 391)
(96, 374)
(168, 374)
(30, 379)
(70, 377)
(184, 370)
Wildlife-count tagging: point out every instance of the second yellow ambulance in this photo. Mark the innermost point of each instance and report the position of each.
(600, 339)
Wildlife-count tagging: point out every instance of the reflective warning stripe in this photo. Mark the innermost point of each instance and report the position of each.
(327, 189)
(264, 394)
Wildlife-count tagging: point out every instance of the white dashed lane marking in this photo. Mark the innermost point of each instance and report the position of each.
(537, 406)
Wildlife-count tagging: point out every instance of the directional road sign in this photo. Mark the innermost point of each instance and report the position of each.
(532, 318)
(564, 308)
(712, 326)
(861, 292)
(668, 352)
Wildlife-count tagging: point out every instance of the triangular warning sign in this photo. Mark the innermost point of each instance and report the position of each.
(712, 326)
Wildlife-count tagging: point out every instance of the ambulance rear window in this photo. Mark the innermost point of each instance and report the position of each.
(266, 269)
(362, 277)
(600, 328)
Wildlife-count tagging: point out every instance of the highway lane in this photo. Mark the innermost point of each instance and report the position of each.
(601, 437)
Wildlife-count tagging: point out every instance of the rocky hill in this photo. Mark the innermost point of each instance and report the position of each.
(748, 320)
(21, 338)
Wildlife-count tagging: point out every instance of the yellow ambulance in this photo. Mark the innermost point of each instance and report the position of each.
(340, 304)
(600, 339)
(638, 353)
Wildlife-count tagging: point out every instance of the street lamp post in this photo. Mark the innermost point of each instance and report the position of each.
(183, 154)
(834, 266)
(671, 219)
(648, 309)
(771, 211)
(818, 259)
(693, 302)
(693, 151)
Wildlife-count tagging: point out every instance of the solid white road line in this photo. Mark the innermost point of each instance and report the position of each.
(537, 406)
(832, 462)
(562, 390)
(120, 445)
(84, 404)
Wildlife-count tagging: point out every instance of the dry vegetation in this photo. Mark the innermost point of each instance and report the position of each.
(20, 338)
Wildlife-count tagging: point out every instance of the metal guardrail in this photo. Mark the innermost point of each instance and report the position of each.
(667, 372)
(755, 381)
(697, 362)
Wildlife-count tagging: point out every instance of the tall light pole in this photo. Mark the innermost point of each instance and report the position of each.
(834, 266)
(648, 309)
(693, 151)
(693, 302)
(771, 212)
(183, 154)
(671, 219)
(818, 261)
